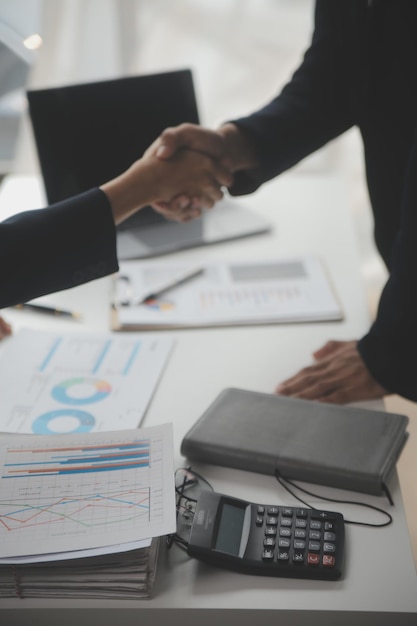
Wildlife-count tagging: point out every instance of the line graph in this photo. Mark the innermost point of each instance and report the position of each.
(119, 507)
(60, 493)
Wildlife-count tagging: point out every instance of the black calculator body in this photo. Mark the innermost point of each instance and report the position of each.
(267, 540)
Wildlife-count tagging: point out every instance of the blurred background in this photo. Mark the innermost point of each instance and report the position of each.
(240, 51)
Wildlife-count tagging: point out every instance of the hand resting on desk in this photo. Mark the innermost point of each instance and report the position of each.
(338, 376)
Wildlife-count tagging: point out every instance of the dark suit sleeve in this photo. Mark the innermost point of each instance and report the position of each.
(390, 348)
(313, 108)
(57, 247)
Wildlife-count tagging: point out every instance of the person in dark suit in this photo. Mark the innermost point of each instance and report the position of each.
(74, 241)
(360, 70)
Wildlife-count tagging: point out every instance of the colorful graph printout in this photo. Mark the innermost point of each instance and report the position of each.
(78, 383)
(72, 492)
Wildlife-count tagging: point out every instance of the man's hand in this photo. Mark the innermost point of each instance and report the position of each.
(339, 376)
(190, 136)
(5, 328)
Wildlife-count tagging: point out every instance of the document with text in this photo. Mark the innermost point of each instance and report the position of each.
(281, 290)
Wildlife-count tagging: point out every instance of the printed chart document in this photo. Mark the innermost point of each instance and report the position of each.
(264, 292)
(78, 383)
(64, 493)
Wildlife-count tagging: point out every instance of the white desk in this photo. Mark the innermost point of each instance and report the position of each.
(379, 586)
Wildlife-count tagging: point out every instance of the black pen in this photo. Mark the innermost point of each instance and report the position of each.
(174, 281)
(49, 310)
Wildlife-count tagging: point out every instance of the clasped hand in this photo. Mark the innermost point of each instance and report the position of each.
(204, 144)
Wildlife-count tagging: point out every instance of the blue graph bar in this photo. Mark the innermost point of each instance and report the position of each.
(105, 450)
(89, 459)
(50, 354)
(132, 358)
(85, 459)
(101, 358)
(93, 470)
(82, 470)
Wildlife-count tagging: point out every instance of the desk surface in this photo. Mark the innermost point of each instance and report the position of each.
(310, 216)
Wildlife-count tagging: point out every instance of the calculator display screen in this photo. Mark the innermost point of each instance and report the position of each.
(229, 530)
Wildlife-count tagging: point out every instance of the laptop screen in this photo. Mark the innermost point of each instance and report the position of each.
(88, 133)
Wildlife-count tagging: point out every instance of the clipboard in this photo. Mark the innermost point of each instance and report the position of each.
(272, 291)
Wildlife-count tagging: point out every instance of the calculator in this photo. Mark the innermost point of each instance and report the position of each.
(267, 540)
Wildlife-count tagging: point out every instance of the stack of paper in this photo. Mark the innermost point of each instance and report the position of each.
(67, 502)
(121, 575)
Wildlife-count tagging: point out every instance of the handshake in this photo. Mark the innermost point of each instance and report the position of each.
(195, 166)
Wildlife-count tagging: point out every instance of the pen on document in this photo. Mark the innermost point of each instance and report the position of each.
(174, 281)
(49, 310)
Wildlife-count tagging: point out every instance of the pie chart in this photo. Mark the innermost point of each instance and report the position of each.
(63, 421)
(79, 391)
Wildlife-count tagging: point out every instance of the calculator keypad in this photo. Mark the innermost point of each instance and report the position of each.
(301, 538)
(290, 542)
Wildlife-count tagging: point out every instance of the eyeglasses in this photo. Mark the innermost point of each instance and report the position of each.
(188, 487)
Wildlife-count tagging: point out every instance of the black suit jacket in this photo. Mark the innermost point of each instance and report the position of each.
(361, 69)
(56, 247)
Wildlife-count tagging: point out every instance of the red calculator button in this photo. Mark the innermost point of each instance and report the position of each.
(328, 560)
(313, 559)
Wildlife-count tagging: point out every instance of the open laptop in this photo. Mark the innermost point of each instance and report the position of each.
(88, 133)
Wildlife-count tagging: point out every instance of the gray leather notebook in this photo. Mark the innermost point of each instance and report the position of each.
(339, 446)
